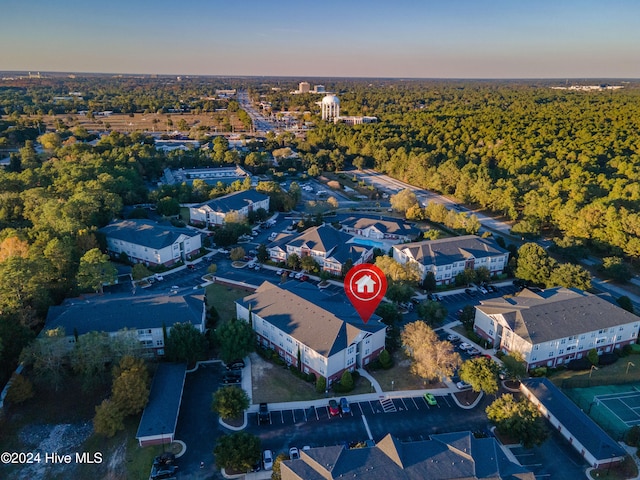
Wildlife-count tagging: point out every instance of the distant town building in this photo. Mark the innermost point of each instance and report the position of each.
(330, 107)
(447, 257)
(145, 241)
(554, 326)
(304, 87)
(211, 176)
(324, 331)
(319, 89)
(214, 211)
(355, 120)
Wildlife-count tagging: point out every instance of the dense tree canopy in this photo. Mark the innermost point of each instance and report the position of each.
(431, 358)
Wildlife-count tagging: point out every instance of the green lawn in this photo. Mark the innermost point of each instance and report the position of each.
(223, 298)
(274, 383)
(400, 375)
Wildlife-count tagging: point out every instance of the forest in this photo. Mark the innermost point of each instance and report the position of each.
(559, 163)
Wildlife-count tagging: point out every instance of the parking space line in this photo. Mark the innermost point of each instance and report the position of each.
(446, 401)
(413, 399)
(405, 405)
(366, 426)
(360, 407)
(282, 416)
(293, 414)
(372, 409)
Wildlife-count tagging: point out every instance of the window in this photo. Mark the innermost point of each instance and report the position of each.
(601, 340)
(535, 347)
(571, 347)
(563, 341)
(560, 352)
(551, 354)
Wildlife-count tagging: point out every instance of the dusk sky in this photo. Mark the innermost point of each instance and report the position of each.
(347, 38)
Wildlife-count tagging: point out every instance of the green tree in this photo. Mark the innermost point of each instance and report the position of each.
(236, 339)
(388, 313)
(263, 253)
(386, 360)
(399, 291)
(625, 303)
(309, 264)
(514, 365)
(431, 358)
(519, 419)
(49, 355)
(168, 206)
(89, 357)
(467, 317)
(230, 402)
(140, 271)
(130, 389)
(21, 389)
(346, 381)
(321, 384)
(237, 253)
(212, 269)
(108, 419)
(432, 312)
(185, 344)
(482, 374)
(570, 276)
(534, 264)
(404, 200)
(293, 261)
(398, 272)
(592, 356)
(276, 472)
(238, 451)
(95, 270)
(616, 269)
(429, 282)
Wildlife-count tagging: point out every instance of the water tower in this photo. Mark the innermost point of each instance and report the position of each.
(330, 107)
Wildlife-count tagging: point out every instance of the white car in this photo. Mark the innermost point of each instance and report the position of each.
(158, 277)
(465, 346)
(483, 290)
(267, 460)
(453, 338)
(294, 453)
(462, 385)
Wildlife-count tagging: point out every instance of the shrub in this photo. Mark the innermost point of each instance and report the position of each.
(321, 384)
(632, 437)
(579, 364)
(386, 361)
(21, 389)
(608, 358)
(593, 357)
(539, 372)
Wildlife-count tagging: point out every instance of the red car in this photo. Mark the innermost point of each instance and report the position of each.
(334, 409)
(304, 278)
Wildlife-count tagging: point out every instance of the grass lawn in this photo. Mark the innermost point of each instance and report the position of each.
(622, 370)
(223, 298)
(273, 383)
(400, 376)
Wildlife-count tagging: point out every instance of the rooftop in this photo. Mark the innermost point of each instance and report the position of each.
(449, 250)
(233, 201)
(146, 233)
(556, 313)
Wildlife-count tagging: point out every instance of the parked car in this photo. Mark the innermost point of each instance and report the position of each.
(273, 236)
(470, 292)
(304, 278)
(453, 338)
(298, 275)
(263, 414)
(158, 277)
(279, 271)
(294, 453)
(251, 265)
(334, 409)
(231, 378)
(461, 385)
(235, 365)
(223, 251)
(344, 406)
(267, 460)
(473, 351)
(465, 346)
(431, 400)
(191, 266)
(163, 472)
(483, 290)
(491, 288)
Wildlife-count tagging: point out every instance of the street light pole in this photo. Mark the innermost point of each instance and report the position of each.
(629, 364)
(593, 367)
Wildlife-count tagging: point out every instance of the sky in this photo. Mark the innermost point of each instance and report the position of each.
(329, 38)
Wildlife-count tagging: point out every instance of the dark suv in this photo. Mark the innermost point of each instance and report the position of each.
(232, 378)
(235, 365)
(263, 414)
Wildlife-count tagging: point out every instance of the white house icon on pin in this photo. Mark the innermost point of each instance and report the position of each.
(365, 284)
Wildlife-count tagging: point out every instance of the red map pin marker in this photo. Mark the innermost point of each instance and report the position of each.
(365, 285)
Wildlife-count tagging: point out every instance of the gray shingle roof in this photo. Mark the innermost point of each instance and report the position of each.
(160, 416)
(585, 430)
(146, 233)
(325, 323)
(233, 201)
(447, 456)
(448, 250)
(334, 243)
(556, 313)
(385, 225)
(114, 313)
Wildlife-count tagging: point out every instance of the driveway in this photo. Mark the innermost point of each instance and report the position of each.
(198, 426)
